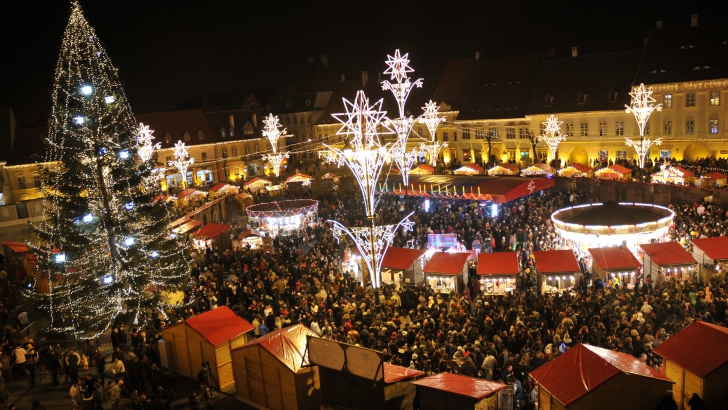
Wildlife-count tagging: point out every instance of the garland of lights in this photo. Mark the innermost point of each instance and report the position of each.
(642, 106)
(552, 134)
(273, 132)
(365, 156)
(432, 120)
(104, 247)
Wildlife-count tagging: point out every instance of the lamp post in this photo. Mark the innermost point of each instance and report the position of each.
(642, 106)
(365, 155)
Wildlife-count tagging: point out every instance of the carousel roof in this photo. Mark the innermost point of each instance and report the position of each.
(611, 214)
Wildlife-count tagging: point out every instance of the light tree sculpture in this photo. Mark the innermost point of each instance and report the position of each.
(642, 107)
(365, 155)
(145, 148)
(181, 161)
(552, 135)
(273, 132)
(432, 120)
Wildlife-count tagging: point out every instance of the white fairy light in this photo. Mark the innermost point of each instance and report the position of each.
(642, 106)
(552, 134)
(273, 132)
(180, 160)
(275, 161)
(144, 143)
(432, 120)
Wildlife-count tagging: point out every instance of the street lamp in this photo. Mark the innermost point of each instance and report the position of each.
(642, 107)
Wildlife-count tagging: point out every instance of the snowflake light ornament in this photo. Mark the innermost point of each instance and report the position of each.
(272, 131)
(180, 160)
(642, 106)
(431, 119)
(144, 143)
(552, 134)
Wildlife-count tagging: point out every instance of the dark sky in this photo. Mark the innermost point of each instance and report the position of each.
(168, 50)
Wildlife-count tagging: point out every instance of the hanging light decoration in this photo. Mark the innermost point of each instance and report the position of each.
(273, 132)
(181, 161)
(642, 107)
(552, 134)
(145, 148)
(432, 120)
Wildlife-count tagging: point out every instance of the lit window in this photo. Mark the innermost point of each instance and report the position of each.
(247, 150)
(235, 152)
(690, 100)
(222, 132)
(523, 133)
(569, 130)
(466, 134)
(667, 101)
(224, 153)
(667, 127)
(510, 133)
(232, 132)
(445, 137)
(690, 127)
(602, 129)
(584, 129)
(21, 181)
(493, 132)
(715, 98)
(712, 127)
(542, 129)
(248, 129)
(619, 128)
(479, 134)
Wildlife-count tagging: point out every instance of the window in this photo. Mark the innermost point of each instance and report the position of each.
(308, 103)
(247, 150)
(712, 128)
(222, 132)
(621, 155)
(612, 96)
(36, 176)
(715, 98)
(466, 155)
(204, 156)
(542, 129)
(455, 135)
(224, 153)
(548, 100)
(235, 152)
(2, 200)
(232, 132)
(21, 181)
(167, 160)
(167, 138)
(255, 148)
(288, 104)
(690, 127)
(288, 119)
(581, 97)
(493, 132)
(466, 134)
(584, 129)
(248, 129)
(602, 129)
(667, 101)
(667, 128)
(647, 128)
(510, 133)
(619, 128)
(186, 136)
(569, 130)
(445, 137)
(664, 153)
(690, 100)
(201, 135)
(523, 133)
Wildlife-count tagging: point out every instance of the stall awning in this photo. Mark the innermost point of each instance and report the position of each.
(401, 258)
(499, 263)
(614, 258)
(256, 181)
(249, 233)
(288, 345)
(299, 177)
(681, 348)
(620, 169)
(716, 248)
(219, 325)
(393, 374)
(461, 385)
(447, 263)
(583, 368)
(580, 167)
(211, 230)
(422, 169)
(223, 187)
(556, 262)
(469, 169)
(667, 254)
(18, 247)
(186, 227)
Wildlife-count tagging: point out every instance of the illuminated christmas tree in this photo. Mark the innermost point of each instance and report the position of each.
(106, 251)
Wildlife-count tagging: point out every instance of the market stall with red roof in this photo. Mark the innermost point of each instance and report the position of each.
(696, 359)
(447, 272)
(216, 236)
(273, 371)
(256, 184)
(403, 265)
(615, 171)
(614, 262)
(575, 170)
(539, 169)
(673, 175)
(209, 337)
(453, 391)
(712, 255)
(223, 189)
(667, 260)
(469, 169)
(497, 272)
(504, 169)
(299, 177)
(714, 179)
(556, 269)
(422, 169)
(589, 377)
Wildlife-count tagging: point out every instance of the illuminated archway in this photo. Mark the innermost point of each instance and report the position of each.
(579, 155)
(695, 150)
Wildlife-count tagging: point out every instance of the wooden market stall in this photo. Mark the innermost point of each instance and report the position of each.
(422, 169)
(576, 170)
(712, 256)
(615, 171)
(216, 236)
(588, 377)
(244, 199)
(223, 189)
(250, 237)
(666, 259)
(187, 228)
(674, 175)
(714, 179)
(209, 337)
(539, 169)
(255, 184)
(447, 391)
(190, 194)
(403, 265)
(556, 269)
(614, 262)
(469, 169)
(299, 177)
(504, 169)
(696, 359)
(497, 272)
(353, 377)
(447, 272)
(273, 371)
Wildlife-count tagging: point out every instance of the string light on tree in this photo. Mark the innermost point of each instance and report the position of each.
(642, 106)
(552, 134)
(432, 120)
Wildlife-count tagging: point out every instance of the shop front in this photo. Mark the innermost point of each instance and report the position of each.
(447, 272)
(497, 272)
(557, 270)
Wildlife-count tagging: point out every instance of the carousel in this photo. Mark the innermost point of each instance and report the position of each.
(282, 218)
(612, 224)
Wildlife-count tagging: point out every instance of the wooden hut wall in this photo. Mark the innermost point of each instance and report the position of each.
(200, 350)
(433, 399)
(348, 391)
(308, 386)
(676, 374)
(177, 334)
(702, 259)
(651, 268)
(715, 393)
(622, 392)
(248, 372)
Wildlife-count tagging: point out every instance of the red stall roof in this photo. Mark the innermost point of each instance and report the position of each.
(614, 258)
(446, 263)
(211, 230)
(556, 261)
(681, 348)
(620, 169)
(667, 253)
(426, 167)
(462, 385)
(219, 325)
(288, 345)
(580, 167)
(394, 373)
(499, 263)
(583, 368)
(18, 247)
(188, 192)
(401, 258)
(716, 175)
(716, 248)
(474, 167)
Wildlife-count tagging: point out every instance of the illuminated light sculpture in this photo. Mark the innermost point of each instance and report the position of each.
(180, 160)
(552, 135)
(402, 126)
(273, 133)
(145, 148)
(642, 107)
(432, 120)
(365, 156)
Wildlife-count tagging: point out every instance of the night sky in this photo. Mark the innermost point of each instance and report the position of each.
(168, 50)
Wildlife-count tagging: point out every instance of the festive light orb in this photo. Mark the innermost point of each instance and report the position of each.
(124, 154)
(60, 258)
(129, 241)
(109, 99)
(102, 151)
(79, 120)
(87, 90)
(88, 218)
(154, 254)
(107, 280)
(129, 205)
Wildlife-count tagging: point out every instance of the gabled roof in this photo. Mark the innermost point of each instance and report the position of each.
(176, 123)
(583, 368)
(401, 258)
(219, 325)
(716, 175)
(699, 348)
(580, 167)
(454, 82)
(620, 169)
(288, 345)
(614, 258)
(393, 374)
(211, 230)
(28, 146)
(667, 253)
(498, 263)
(562, 261)
(716, 248)
(501, 88)
(672, 54)
(446, 263)
(461, 385)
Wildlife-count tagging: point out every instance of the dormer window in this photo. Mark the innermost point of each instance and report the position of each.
(222, 132)
(288, 105)
(200, 135)
(248, 129)
(701, 67)
(267, 107)
(548, 100)
(308, 103)
(409, 112)
(581, 97)
(658, 71)
(186, 136)
(612, 96)
(231, 132)
(687, 47)
(167, 138)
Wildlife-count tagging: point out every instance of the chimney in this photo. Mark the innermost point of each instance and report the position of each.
(232, 122)
(693, 20)
(658, 24)
(343, 77)
(309, 59)
(325, 59)
(477, 55)
(551, 52)
(574, 51)
(255, 120)
(364, 78)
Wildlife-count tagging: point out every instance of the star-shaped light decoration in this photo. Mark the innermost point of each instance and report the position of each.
(180, 160)
(272, 130)
(431, 119)
(398, 66)
(144, 143)
(552, 134)
(642, 105)
(361, 122)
